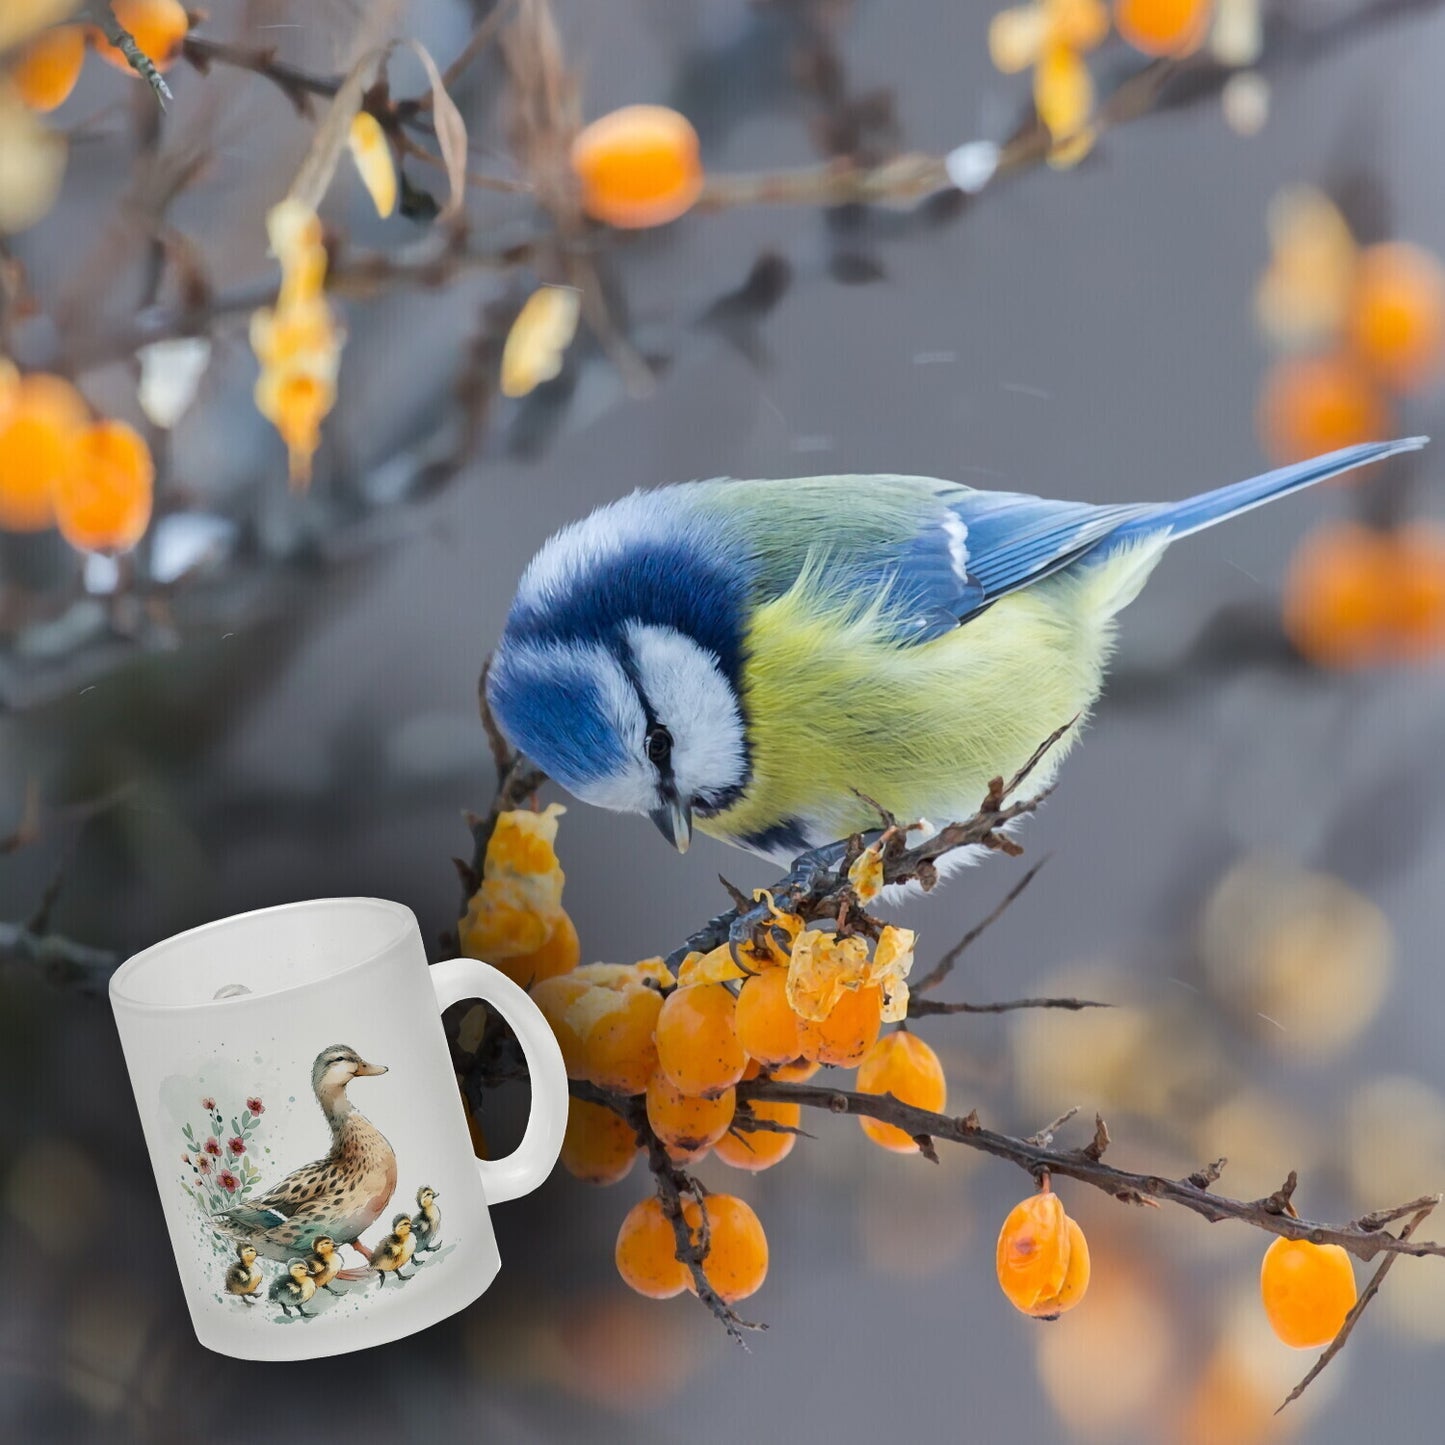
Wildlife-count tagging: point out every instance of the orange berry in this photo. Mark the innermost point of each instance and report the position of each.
(599, 1146)
(753, 1069)
(756, 1149)
(1307, 1290)
(697, 1039)
(1042, 1257)
(646, 1253)
(686, 1121)
(767, 1025)
(1396, 318)
(798, 1072)
(848, 1032)
(903, 1065)
(555, 996)
(682, 1157)
(38, 442)
(1418, 620)
(617, 1029)
(157, 26)
(638, 166)
(561, 953)
(736, 1262)
(1337, 595)
(1163, 27)
(1314, 404)
(48, 67)
(103, 503)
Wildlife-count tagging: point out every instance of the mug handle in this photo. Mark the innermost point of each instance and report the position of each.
(531, 1161)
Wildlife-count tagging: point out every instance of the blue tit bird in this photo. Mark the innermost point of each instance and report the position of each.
(750, 656)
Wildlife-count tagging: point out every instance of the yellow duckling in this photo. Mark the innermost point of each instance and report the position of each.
(244, 1277)
(396, 1250)
(426, 1223)
(294, 1288)
(324, 1264)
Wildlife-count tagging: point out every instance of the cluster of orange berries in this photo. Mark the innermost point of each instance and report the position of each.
(793, 1001)
(799, 999)
(1052, 37)
(61, 467)
(1356, 326)
(46, 69)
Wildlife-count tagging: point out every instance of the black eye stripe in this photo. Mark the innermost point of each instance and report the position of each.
(658, 744)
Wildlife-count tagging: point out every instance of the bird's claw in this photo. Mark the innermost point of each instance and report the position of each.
(801, 881)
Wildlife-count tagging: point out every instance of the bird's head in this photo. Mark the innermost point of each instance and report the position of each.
(618, 671)
(246, 1253)
(324, 1247)
(297, 1270)
(401, 1225)
(426, 1195)
(337, 1066)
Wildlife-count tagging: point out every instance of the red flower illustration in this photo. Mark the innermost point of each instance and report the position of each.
(203, 1164)
(255, 1106)
(213, 1146)
(228, 1181)
(236, 1145)
(209, 1105)
(185, 1158)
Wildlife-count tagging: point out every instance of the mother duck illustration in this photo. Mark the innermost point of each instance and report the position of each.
(341, 1195)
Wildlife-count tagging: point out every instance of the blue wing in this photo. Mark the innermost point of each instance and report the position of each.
(988, 544)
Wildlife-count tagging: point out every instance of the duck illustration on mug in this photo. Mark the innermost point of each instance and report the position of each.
(302, 1221)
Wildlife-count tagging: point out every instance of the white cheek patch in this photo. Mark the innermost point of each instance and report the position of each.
(634, 790)
(690, 696)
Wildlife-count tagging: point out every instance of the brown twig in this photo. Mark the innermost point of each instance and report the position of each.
(945, 965)
(516, 782)
(61, 960)
(817, 886)
(1084, 1165)
(485, 32)
(1422, 1209)
(925, 1007)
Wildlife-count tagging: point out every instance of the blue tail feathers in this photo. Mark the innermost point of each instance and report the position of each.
(1196, 513)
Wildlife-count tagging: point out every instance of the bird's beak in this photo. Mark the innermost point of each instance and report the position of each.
(366, 1070)
(674, 822)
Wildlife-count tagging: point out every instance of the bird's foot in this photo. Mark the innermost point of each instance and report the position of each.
(402, 1276)
(801, 879)
(332, 1289)
(361, 1249)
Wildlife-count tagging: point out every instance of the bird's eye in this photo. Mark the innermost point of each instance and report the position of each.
(659, 745)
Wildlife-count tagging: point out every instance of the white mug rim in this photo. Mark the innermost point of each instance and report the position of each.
(137, 962)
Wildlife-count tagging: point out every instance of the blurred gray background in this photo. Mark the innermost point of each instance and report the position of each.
(1081, 334)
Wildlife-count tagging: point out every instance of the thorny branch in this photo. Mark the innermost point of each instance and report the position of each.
(673, 1186)
(62, 961)
(945, 965)
(1365, 1238)
(922, 1007)
(817, 885)
(1420, 1210)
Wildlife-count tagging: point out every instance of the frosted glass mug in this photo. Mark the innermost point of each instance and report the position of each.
(303, 1120)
